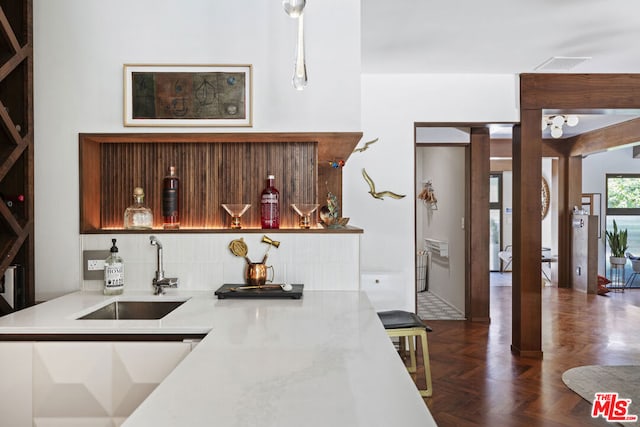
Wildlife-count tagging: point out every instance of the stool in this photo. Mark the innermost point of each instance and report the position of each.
(407, 325)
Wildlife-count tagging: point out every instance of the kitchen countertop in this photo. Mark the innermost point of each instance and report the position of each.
(323, 360)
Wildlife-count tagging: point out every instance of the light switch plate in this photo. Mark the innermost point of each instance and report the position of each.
(93, 264)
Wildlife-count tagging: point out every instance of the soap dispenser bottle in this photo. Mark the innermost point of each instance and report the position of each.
(113, 272)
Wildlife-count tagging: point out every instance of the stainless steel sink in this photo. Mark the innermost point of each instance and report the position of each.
(133, 310)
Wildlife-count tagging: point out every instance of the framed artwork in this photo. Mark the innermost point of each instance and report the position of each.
(187, 95)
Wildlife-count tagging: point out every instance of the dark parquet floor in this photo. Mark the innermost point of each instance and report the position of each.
(477, 381)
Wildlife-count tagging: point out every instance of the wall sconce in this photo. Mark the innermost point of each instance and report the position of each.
(427, 195)
(557, 121)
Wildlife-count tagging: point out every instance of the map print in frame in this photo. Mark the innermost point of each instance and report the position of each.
(187, 95)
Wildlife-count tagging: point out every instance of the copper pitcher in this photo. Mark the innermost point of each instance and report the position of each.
(256, 274)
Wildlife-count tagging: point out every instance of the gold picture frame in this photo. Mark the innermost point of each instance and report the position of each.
(188, 95)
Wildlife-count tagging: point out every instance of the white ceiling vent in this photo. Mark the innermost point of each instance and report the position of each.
(561, 63)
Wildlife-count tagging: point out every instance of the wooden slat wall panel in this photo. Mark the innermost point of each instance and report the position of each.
(210, 174)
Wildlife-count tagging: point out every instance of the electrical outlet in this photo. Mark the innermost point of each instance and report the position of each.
(93, 264)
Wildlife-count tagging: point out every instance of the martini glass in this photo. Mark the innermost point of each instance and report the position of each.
(305, 210)
(236, 211)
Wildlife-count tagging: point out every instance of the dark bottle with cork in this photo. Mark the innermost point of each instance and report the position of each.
(171, 200)
(270, 205)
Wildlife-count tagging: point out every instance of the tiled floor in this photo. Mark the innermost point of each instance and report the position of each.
(432, 307)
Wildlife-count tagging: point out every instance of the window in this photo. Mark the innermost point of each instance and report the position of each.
(495, 223)
(623, 194)
(623, 206)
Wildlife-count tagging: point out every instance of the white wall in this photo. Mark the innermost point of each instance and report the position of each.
(80, 47)
(445, 167)
(391, 104)
(547, 232)
(594, 169)
(203, 261)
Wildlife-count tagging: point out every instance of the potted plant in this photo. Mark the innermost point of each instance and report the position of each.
(617, 240)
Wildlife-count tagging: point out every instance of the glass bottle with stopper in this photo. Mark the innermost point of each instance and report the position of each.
(171, 200)
(270, 205)
(138, 216)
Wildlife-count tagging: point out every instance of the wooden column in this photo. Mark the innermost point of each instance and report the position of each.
(574, 198)
(569, 195)
(477, 280)
(527, 238)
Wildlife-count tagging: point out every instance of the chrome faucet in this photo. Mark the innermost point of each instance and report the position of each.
(160, 282)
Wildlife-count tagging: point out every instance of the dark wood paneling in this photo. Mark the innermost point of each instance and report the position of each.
(570, 182)
(603, 139)
(550, 148)
(210, 174)
(501, 165)
(579, 91)
(527, 239)
(477, 307)
(500, 148)
(564, 223)
(574, 183)
(555, 148)
(556, 91)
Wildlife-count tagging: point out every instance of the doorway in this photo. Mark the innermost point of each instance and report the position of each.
(443, 168)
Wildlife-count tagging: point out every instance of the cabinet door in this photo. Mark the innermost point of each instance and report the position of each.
(138, 368)
(96, 384)
(15, 387)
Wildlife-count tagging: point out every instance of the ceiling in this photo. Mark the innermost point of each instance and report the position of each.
(504, 37)
(499, 36)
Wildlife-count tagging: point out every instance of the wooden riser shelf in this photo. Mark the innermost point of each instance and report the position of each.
(213, 169)
(316, 230)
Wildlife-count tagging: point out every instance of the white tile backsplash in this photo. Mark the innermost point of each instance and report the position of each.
(204, 261)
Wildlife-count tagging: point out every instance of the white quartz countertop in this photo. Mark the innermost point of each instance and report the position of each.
(195, 316)
(323, 360)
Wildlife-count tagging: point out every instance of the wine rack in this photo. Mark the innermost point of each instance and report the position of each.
(16, 149)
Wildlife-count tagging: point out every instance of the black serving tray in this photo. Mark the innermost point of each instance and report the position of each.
(225, 291)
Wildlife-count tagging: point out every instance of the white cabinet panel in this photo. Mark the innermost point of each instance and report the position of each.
(72, 379)
(138, 368)
(87, 384)
(15, 387)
